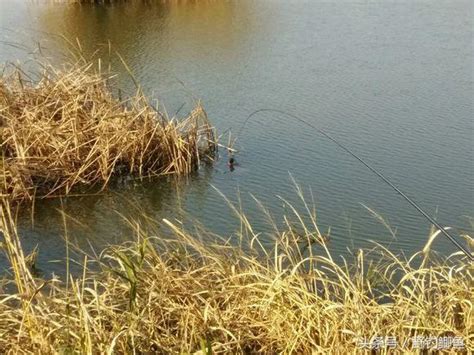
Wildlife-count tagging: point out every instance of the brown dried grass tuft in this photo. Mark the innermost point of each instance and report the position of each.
(66, 129)
(187, 293)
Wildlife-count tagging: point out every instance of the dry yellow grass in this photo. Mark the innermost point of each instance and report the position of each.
(190, 293)
(66, 129)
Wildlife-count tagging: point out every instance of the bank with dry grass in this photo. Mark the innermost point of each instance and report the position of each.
(65, 128)
(191, 292)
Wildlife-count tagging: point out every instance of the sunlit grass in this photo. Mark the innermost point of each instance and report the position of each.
(65, 129)
(187, 292)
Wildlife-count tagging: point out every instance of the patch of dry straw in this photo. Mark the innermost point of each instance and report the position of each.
(190, 294)
(66, 129)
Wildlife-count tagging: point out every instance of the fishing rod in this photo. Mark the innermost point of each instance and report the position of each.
(368, 166)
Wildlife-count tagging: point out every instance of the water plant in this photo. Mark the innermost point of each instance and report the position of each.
(65, 128)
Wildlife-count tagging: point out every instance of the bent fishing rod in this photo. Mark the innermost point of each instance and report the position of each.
(368, 166)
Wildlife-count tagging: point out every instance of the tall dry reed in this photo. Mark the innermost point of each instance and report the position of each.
(67, 129)
(191, 293)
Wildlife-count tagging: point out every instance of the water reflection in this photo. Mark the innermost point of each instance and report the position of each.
(96, 220)
(143, 30)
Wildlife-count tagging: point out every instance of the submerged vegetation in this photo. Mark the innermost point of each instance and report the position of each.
(190, 292)
(66, 129)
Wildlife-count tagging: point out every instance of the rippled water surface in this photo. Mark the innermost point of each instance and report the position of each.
(392, 80)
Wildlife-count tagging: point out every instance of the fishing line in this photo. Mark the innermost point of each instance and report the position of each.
(368, 166)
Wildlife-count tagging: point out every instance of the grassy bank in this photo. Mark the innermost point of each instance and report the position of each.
(65, 128)
(191, 292)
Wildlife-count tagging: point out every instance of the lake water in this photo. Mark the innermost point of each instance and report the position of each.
(393, 80)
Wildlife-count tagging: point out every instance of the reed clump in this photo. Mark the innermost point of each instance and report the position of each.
(66, 129)
(189, 293)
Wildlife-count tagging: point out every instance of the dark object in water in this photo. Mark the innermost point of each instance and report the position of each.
(231, 164)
